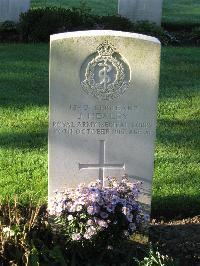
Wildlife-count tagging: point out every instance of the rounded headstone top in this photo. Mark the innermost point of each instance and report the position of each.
(76, 34)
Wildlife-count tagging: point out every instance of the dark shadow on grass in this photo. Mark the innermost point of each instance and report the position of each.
(24, 92)
(30, 140)
(181, 133)
(24, 75)
(179, 241)
(174, 206)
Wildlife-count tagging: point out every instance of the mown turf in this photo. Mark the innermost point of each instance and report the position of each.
(99, 7)
(174, 11)
(24, 123)
(23, 118)
(177, 165)
(184, 12)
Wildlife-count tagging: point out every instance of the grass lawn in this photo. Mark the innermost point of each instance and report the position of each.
(177, 168)
(24, 123)
(181, 12)
(98, 7)
(174, 11)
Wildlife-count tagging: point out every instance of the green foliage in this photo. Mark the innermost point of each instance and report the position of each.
(38, 24)
(9, 31)
(34, 259)
(26, 237)
(116, 23)
(20, 229)
(145, 27)
(154, 258)
(8, 26)
(196, 34)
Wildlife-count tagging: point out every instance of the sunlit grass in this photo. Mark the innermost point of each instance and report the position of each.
(24, 120)
(177, 168)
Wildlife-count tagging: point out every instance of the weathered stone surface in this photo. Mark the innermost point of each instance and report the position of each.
(138, 10)
(103, 98)
(11, 9)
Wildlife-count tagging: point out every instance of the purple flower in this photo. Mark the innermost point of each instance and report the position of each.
(146, 218)
(87, 236)
(129, 217)
(88, 208)
(132, 226)
(103, 215)
(100, 202)
(91, 210)
(76, 237)
(115, 199)
(123, 201)
(110, 208)
(94, 197)
(90, 232)
(102, 223)
(90, 222)
(72, 208)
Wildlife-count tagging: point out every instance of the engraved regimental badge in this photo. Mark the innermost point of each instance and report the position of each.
(104, 74)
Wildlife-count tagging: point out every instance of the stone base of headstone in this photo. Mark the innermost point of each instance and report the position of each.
(140, 10)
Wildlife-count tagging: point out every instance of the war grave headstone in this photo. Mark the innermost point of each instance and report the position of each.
(139, 10)
(11, 9)
(103, 101)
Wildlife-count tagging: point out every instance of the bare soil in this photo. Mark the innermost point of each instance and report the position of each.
(179, 239)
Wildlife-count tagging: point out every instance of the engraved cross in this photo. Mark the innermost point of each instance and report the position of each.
(102, 165)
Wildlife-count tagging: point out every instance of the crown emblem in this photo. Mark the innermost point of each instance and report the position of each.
(106, 49)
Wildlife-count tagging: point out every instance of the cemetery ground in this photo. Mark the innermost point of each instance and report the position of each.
(176, 187)
(24, 103)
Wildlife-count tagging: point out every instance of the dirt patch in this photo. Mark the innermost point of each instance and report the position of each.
(180, 239)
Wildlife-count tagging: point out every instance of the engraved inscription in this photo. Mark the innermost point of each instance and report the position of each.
(104, 74)
(103, 120)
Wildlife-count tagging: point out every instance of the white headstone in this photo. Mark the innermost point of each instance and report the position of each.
(11, 9)
(103, 98)
(139, 10)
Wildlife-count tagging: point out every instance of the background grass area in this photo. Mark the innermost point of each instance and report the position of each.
(24, 123)
(174, 11)
(99, 7)
(24, 120)
(184, 12)
(177, 165)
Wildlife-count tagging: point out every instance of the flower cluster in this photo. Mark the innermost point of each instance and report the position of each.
(90, 209)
